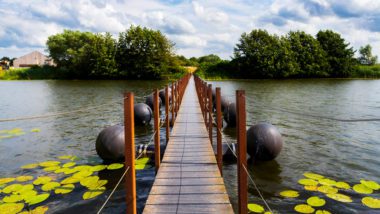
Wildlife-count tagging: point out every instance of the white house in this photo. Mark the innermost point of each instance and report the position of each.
(33, 58)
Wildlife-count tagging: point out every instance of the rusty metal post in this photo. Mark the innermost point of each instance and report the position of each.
(173, 101)
(209, 104)
(242, 151)
(167, 113)
(205, 103)
(156, 129)
(219, 154)
(129, 152)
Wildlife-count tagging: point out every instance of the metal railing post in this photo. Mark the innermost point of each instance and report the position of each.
(218, 106)
(156, 129)
(209, 104)
(167, 113)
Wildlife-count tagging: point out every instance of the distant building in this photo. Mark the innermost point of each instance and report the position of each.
(31, 59)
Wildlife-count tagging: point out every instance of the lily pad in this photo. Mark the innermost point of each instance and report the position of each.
(88, 181)
(12, 188)
(70, 180)
(60, 170)
(24, 178)
(313, 175)
(28, 194)
(311, 188)
(68, 171)
(82, 174)
(37, 210)
(64, 189)
(256, 208)
(316, 201)
(97, 185)
(308, 182)
(6, 180)
(327, 189)
(93, 193)
(50, 186)
(340, 197)
(327, 182)
(342, 185)
(37, 199)
(370, 202)
(115, 166)
(304, 208)
(69, 164)
(30, 166)
(142, 166)
(35, 130)
(42, 180)
(65, 157)
(289, 194)
(11, 207)
(98, 168)
(51, 168)
(83, 168)
(142, 161)
(363, 189)
(49, 163)
(12, 198)
(371, 184)
(25, 188)
(322, 212)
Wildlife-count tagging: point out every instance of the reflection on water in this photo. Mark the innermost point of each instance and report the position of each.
(339, 150)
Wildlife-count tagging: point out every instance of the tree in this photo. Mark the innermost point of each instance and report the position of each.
(366, 57)
(339, 55)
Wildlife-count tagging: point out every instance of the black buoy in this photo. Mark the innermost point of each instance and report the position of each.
(229, 114)
(150, 100)
(143, 114)
(223, 101)
(162, 95)
(264, 142)
(110, 143)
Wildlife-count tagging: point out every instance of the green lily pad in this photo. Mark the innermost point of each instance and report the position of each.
(27, 194)
(371, 184)
(50, 186)
(322, 212)
(363, 189)
(289, 194)
(70, 180)
(97, 185)
(342, 185)
(12, 198)
(308, 182)
(316, 201)
(49, 163)
(11, 207)
(37, 210)
(370, 202)
(37, 199)
(98, 168)
(340, 197)
(35, 130)
(25, 188)
(30, 166)
(12, 188)
(65, 157)
(313, 176)
(6, 180)
(93, 193)
(83, 168)
(327, 182)
(88, 181)
(68, 171)
(256, 208)
(51, 168)
(142, 161)
(142, 166)
(60, 170)
(64, 189)
(311, 188)
(115, 166)
(42, 180)
(304, 208)
(69, 164)
(24, 178)
(327, 189)
(82, 174)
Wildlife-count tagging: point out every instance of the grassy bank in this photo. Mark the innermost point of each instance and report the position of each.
(366, 71)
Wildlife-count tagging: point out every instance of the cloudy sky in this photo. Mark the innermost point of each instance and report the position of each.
(197, 27)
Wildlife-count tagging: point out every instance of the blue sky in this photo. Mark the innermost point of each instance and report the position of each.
(197, 27)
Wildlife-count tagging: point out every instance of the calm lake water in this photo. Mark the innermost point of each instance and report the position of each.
(304, 111)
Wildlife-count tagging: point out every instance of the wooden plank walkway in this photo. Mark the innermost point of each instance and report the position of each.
(188, 180)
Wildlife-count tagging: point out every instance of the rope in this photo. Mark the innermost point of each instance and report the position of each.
(113, 191)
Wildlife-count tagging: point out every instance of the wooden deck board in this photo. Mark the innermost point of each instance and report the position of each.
(188, 180)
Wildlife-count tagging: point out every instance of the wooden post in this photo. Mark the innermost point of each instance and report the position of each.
(167, 113)
(173, 101)
(209, 104)
(129, 152)
(219, 157)
(156, 130)
(242, 151)
(205, 102)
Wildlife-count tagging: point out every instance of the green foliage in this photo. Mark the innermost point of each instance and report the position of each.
(366, 57)
(33, 73)
(366, 71)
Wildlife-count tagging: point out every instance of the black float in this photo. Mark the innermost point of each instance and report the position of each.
(149, 100)
(110, 143)
(161, 94)
(229, 114)
(143, 114)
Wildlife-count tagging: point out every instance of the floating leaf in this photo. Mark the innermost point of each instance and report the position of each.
(267, 212)
(327, 182)
(24, 178)
(70, 180)
(69, 164)
(35, 130)
(28, 194)
(68, 171)
(289, 194)
(88, 181)
(49, 163)
(98, 184)
(304, 208)
(98, 168)
(371, 184)
(60, 170)
(256, 208)
(361, 188)
(142, 161)
(37, 199)
(65, 157)
(308, 182)
(342, 185)
(12, 188)
(371, 202)
(311, 188)
(25, 188)
(30, 166)
(64, 189)
(93, 193)
(140, 167)
(11, 207)
(327, 189)
(42, 180)
(322, 212)
(316, 201)
(82, 174)
(12, 198)
(6, 180)
(313, 175)
(37, 210)
(83, 168)
(340, 197)
(115, 166)
(51, 168)
(50, 186)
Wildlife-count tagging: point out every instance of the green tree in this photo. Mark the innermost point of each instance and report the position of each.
(308, 54)
(339, 55)
(366, 57)
(144, 53)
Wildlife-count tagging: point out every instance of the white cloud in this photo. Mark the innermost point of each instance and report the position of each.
(188, 41)
(210, 14)
(169, 24)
